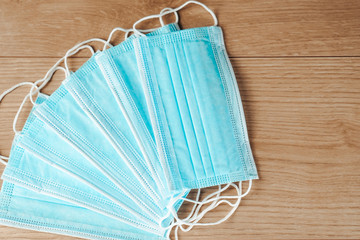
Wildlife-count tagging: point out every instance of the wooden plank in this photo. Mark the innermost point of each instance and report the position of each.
(303, 121)
(252, 28)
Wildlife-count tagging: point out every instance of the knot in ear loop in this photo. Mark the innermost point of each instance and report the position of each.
(138, 33)
(194, 217)
(165, 11)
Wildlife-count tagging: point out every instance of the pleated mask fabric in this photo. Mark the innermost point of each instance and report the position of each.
(36, 142)
(126, 137)
(195, 107)
(23, 208)
(119, 67)
(90, 90)
(26, 170)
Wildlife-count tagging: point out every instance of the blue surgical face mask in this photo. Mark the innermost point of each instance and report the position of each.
(180, 136)
(59, 153)
(92, 94)
(195, 108)
(22, 208)
(120, 69)
(38, 174)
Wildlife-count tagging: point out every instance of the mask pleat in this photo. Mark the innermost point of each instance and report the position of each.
(196, 117)
(115, 130)
(172, 101)
(125, 138)
(110, 166)
(211, 107)
(21, 207)
(159, 119)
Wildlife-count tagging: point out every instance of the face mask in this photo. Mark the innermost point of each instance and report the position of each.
(35, 142)
(195, 107)
(119, 67)
(26, 170)
(166, 149)
(53, 113)
(22, 208)
(88, 88)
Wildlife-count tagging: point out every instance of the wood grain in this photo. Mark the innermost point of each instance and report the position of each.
(298, 69)
(252, 27)
(304, 125)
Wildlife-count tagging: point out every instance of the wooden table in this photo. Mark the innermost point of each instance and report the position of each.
(298, 70)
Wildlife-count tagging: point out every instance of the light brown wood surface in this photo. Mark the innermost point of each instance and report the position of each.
(298, 70)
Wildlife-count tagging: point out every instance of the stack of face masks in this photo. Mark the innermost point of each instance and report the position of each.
(115, 150)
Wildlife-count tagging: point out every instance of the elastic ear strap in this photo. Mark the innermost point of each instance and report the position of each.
(194, 220)
(45, 80)
(6, 92)
(80, 46)
(216, 201)
(213, 206)
(234, 205)
(197, 204)
(23, 102)
(71, 52)
(2, 159)
(194, 207)
(194, 214)
(200, 204)
(141, 30)
(112, 33)
(127, 31)
(222, 197)
(198, 218)
(137, 32)
(27, 96)
(164, 11)
(184, 219)
(34, 86)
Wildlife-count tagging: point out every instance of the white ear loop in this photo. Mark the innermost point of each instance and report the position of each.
(189, 215)
(6, 92)
(127, 31)
(165, 11)
(3, 158)
(221, 198)
(193, 221)
(44, 81)
(199, 204)
(138, 33)
(213, 206)
(112, 33)
(217, 203)
(141, 30)
(78, 47)
(27, 96)
(69, 53)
